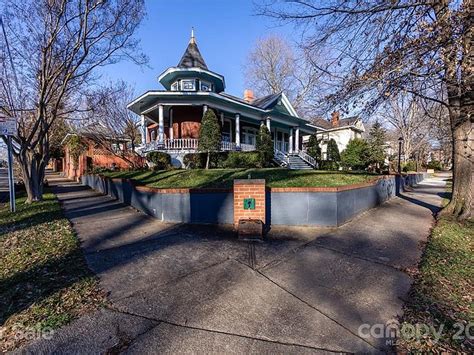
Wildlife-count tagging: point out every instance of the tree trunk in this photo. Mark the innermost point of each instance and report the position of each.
(207, 160)
(33, 168)
(462, 201)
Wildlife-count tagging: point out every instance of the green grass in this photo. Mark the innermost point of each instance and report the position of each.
(223, 178)
(44, 280)
(443, 292)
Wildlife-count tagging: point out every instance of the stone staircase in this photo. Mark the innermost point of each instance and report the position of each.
(297, 163)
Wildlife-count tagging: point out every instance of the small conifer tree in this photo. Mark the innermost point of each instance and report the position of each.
(264, 146)
(209, 135)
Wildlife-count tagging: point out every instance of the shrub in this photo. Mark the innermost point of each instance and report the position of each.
(198, 160)
(329, 165)
(160, 160)
(264, 146)
(243, 160)
(356, 156)
(435, 164)
(409, 166)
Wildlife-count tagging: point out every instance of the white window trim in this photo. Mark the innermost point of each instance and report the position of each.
(249, 130)
(188, 80)
(230, 126)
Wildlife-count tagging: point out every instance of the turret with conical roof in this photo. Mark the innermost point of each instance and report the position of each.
(192, 73)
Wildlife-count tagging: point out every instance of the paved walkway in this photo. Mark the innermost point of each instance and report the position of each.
(180, 288)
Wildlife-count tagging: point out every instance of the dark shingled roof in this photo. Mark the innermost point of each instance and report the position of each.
(192, 58)
(266, 102)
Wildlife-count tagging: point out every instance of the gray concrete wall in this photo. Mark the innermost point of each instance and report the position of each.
(282, 208)
(191, 207)
(327, 208)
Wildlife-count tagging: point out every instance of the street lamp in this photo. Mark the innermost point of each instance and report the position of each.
(400, 141)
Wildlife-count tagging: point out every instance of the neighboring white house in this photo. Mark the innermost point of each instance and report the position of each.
(341, 130)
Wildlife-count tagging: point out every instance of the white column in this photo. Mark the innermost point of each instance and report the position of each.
(297, 140)
(222, 119)
(237, 130)
(143, 123)
(171, 124)
(161, 125)
(290, 142)
(204, 109)
(268, 124)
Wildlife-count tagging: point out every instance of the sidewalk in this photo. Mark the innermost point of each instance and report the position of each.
(181, 288)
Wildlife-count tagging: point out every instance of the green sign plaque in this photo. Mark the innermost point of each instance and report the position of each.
(249, 203)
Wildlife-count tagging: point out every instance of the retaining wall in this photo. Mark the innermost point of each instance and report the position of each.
(213, 206)
(284, 206)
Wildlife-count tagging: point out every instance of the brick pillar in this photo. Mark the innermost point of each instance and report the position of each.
(249, 189)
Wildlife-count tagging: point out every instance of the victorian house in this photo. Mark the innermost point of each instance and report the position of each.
(171, 117)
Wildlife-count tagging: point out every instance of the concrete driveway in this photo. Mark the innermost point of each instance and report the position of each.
(196, 289)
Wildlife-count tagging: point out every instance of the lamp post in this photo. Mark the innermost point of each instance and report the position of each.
(400, 141)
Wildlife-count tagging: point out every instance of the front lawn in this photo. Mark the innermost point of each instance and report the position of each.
(218, 178)
(44, 279)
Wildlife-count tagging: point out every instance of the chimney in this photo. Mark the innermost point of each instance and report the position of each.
(335, 119)
(248, 95)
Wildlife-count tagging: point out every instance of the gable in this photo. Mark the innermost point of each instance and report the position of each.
(284, 106)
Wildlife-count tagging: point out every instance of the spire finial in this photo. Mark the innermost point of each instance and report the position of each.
(192, 40)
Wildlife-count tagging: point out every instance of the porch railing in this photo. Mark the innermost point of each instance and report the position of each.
(190, 144)
(281, 158)
(227, 146)
(307, 158)
(247, 147)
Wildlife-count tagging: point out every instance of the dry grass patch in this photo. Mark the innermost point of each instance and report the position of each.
(44, 279)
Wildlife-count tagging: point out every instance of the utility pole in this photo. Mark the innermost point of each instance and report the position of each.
(11, 180)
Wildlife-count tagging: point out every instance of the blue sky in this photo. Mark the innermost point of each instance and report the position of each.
(225, 31)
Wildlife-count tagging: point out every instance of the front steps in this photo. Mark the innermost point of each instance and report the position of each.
(296, 163)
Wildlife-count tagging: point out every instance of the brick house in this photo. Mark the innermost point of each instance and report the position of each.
(108, 154)
(171, 118)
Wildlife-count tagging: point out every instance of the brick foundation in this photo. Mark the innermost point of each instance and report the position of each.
(249, 188)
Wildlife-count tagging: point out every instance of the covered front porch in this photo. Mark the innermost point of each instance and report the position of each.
(174, 128)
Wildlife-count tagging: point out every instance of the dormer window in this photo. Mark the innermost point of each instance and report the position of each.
(188, 85)
(206, 86)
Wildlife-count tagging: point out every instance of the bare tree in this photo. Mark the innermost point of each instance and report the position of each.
(110, 122)
(410, 119)
(383, 48)
(57, 47)
(274, 66)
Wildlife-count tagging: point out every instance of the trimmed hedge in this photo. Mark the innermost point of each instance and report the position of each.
(229, 160)
(243, 160)
(198, 160)
(160, 160)
(329, 165)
